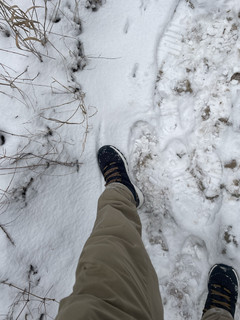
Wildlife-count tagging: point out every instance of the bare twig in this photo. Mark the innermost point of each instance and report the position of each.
(7, 235)
(28, 292)
(26, 299)
(14, 52)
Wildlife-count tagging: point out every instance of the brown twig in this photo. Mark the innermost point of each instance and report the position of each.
(7, 235)
(28, 292)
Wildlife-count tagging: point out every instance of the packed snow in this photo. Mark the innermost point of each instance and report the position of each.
(160, 80)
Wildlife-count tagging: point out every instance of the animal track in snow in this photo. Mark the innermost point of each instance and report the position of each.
(135, 70)
(126, 27)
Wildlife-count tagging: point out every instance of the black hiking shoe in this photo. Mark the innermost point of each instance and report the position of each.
(114, 168)
(222, 288)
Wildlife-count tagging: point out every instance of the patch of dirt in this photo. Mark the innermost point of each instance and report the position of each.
(235, 195)
(225, 121)
(234, 27)
(195, 174)
(229, 237)
(236, 182)
(190, 4)
(143, 161)
(94, 5)
(184, 87)
(231, 165)
(212, 199)
(159, 75)
(206, 113)
(158, 240)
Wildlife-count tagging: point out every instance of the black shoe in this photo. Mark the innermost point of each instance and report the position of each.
(222, 288)
(114, 168)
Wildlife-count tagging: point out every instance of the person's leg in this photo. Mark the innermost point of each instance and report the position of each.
(217, 314)
(222, 293)
(115, 278)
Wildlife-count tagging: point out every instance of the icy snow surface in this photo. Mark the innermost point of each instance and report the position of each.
(161, 80)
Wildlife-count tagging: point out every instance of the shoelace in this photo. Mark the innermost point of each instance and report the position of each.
(112, 174)
(115, 172)
(226, 296)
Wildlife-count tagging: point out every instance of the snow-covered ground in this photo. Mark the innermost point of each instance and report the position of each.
(159, 79)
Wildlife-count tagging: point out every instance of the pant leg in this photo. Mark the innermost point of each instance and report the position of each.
(115, 279)
(217, 314)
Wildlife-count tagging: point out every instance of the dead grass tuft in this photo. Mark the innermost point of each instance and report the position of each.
(25, 26)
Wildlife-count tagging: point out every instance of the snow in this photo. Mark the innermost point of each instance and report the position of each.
(159, 80)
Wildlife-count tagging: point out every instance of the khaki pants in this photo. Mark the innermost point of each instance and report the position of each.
(217, 314)
(115, 279)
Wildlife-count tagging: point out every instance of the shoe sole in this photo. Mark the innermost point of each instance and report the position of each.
(138, 191)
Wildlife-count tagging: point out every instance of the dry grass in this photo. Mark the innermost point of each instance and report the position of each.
(25, 26)
(44, 149)
(31, 159)
(26, 300)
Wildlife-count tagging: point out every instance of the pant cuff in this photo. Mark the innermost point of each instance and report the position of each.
(217, 314)
(122, 187)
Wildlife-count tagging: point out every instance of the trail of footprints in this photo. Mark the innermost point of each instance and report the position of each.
(179, 156)
(171, 42)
